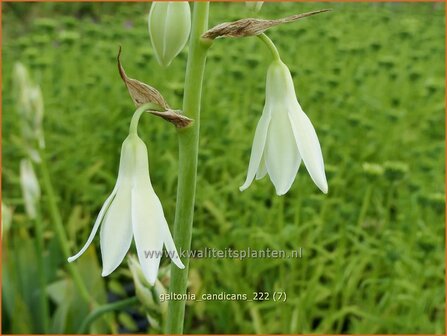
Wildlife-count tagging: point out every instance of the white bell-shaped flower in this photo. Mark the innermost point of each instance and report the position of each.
(284, 136)
(133, 210)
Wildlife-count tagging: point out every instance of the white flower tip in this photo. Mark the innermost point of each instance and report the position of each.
(108, 269)
(150, 266)
(178, 263)
(282, 188)
(71, 259)
(244, 186)
(281, 193)
(175, 258)
(324, 187)
(151, 278)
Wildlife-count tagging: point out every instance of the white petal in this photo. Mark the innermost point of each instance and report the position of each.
(281, 153)
(257, 149)
(116, 231)
(262, 169)
(170, 246)
(147, 223)
(147, 215)
(124, 178)
(308, 146)
(98, 221)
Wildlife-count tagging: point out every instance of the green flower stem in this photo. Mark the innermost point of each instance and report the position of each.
(188, 151)
(59, 228)
(269, 43)
(98, 312)
(43, 300)
(133, 129)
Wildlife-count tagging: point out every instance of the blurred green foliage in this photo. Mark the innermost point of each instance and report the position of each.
(370, 77)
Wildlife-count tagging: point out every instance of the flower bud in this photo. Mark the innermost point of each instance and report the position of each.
(142, 287)
(148, 295)
(21, 84)
(36, 103)
(169, 27)
(30, 187)
(254, 5)
(30, 107)
(21, 77)
(6, 217)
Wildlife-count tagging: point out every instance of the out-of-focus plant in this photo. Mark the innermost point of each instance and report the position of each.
(6, 218)
(29, 288)
(30, 188)
(30, 108)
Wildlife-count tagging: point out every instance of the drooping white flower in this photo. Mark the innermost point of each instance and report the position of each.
(284, 136)
(133, 210)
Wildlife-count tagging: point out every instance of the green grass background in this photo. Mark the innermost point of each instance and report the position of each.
(371, 79)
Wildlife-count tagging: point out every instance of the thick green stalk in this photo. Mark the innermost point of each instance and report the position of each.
(188, 152)
(59, 228)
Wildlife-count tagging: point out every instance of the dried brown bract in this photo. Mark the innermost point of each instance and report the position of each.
(252, 27)
(142, 93)
(175, 117)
